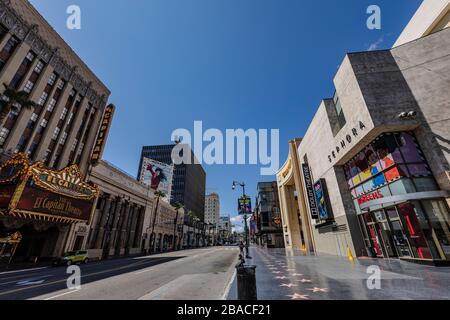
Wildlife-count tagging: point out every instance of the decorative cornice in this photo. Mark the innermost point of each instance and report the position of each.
(30, 35)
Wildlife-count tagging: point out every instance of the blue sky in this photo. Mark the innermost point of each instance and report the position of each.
(259, 64)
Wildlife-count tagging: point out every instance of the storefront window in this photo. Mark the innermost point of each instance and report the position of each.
(425, 184)
(409, 148)
(388, 151)
(419, 169)
(402, 186)
(439, 219)
(417, 239)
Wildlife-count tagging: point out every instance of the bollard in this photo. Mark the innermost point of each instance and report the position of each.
(246, 282)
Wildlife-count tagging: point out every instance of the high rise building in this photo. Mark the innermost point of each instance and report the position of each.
(189, 180)
(212, 208)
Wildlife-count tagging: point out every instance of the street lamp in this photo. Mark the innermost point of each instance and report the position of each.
(233, 187)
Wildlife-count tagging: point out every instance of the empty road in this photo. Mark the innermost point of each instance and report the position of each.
(198, 274)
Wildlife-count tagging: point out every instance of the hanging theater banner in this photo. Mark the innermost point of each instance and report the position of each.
(31, 191)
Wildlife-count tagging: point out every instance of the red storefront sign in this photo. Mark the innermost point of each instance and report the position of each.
(369, 197)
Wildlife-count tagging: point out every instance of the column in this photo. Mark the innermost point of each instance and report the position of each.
(118, 235)
(100, 228)
(134, 217)
(140, 225)
(128, 229)
(112, 225)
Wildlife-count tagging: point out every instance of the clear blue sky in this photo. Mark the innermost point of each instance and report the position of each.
(230, 63)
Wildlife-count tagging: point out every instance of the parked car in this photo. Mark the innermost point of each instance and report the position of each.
(71, 257)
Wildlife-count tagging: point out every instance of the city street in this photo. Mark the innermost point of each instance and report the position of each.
(199, 274)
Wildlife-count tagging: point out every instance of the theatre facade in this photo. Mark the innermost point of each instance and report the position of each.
(37, 207)
(375, 161)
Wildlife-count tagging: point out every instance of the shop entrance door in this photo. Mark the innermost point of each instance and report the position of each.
(399, 237)
(380, 234)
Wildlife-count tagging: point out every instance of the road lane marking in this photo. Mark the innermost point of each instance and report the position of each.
(62, 294)
(64, 280)
(228, 287)
(22, 270)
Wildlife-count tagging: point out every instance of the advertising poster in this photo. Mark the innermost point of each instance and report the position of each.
(321, 200)
(158, 176)
(244, 205)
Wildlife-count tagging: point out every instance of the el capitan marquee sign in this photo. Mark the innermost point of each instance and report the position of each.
(32, 191)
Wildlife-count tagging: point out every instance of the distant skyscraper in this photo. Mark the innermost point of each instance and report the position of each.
(189, 180)
(212, 208)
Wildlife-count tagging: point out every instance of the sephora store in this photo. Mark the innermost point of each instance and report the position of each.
(401, 210)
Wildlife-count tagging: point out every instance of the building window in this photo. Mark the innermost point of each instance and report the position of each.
(28, 86)
(63, 138)
(52, 79)
(70, 118)
(43, 98)
(30, 56)
(32, 149)
(60, 84)
(3, 135)
(46, 155)
(339, 111)
(39, 67)
(63, 114)
(51, 105)
(74, 145)
(56, 133)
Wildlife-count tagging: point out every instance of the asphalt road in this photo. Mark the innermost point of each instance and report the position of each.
(199, 274)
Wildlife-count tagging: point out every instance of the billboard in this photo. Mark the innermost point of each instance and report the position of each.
(320, 191)
(158, 176)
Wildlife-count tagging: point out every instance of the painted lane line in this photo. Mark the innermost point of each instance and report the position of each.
(62, 294)
(64, 280)
(22, 270)
(228, 287)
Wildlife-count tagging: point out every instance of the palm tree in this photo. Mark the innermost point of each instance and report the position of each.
(178, 206)
(12, 99)
(158, 195)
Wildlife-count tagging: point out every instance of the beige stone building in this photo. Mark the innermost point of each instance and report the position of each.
(122, 222)
(374, 160)
(58, 133)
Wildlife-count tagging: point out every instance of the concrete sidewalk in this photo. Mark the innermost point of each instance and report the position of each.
(325, 277)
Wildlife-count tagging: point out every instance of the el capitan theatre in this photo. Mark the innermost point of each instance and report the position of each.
(39, 205)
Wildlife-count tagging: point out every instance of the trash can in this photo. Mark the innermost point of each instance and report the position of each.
(246, 282)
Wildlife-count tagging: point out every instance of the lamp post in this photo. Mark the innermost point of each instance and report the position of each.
(233, 187)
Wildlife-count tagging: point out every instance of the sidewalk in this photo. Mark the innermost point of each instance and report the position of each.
(324, 277)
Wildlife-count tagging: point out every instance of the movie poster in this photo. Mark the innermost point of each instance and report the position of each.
(158, 176)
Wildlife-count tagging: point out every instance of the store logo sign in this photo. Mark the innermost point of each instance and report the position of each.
(102, 134)
(349, 138)
(369, 197)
